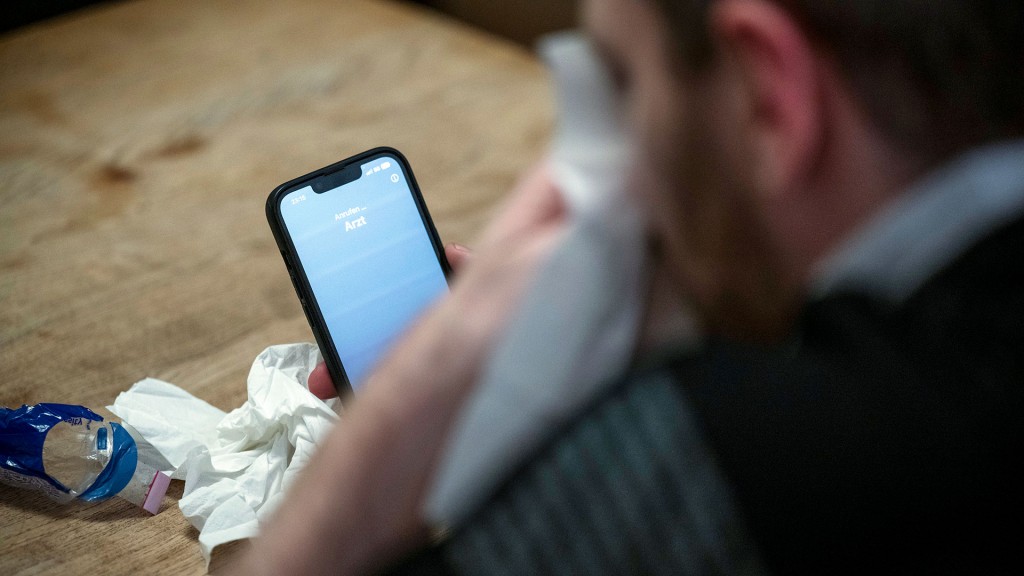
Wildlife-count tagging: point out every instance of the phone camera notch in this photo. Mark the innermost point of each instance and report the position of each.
(332, 180)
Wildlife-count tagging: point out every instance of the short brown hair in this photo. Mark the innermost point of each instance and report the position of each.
(936, 76)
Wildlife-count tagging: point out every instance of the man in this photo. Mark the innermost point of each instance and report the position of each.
(836, 188)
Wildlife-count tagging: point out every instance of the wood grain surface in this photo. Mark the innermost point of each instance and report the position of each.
(138, 144)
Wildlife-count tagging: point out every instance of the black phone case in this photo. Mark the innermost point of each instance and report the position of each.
(298, 275)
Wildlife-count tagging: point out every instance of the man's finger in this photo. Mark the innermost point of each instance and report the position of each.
(320, 383)
(457, 256)
(535, 199)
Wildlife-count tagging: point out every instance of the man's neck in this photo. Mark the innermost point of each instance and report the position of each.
(928, 224)
(858, 173)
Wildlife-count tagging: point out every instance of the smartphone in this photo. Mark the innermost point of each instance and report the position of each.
(363, 255)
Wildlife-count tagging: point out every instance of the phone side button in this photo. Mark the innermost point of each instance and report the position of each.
(295, 279)
(305, 311)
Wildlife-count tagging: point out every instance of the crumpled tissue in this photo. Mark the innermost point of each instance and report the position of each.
(238, 465)
(576, 328)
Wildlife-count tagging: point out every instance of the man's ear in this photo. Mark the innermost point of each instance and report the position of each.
(778, 75)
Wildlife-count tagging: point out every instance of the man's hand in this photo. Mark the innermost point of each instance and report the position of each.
(357, 504)
(320, 383)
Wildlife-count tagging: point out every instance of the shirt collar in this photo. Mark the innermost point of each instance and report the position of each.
(927, 227)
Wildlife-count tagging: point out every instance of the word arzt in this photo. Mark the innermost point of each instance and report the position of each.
(353, 224)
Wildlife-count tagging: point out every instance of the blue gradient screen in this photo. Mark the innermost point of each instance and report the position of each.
(368, 258)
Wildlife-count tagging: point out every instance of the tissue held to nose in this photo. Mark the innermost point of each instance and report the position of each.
(579, 319)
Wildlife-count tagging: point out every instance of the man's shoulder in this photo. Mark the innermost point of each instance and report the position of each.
(961, 322)
(884, 427)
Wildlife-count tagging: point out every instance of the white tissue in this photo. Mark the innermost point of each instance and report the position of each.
(236, 465)
(576, 329)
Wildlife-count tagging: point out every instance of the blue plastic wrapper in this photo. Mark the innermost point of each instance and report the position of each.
(23, 433)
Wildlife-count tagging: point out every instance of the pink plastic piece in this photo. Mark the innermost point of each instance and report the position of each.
(155, 495)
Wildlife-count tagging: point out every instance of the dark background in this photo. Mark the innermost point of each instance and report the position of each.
(20, 13)
(520, 20)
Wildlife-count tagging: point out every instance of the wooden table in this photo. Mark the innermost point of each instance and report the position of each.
(138, 143)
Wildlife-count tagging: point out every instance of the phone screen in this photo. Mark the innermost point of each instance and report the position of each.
(368, 258)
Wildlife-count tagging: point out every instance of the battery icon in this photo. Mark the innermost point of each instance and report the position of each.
(385, 166)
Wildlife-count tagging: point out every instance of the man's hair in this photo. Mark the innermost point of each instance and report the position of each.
(935, 76)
